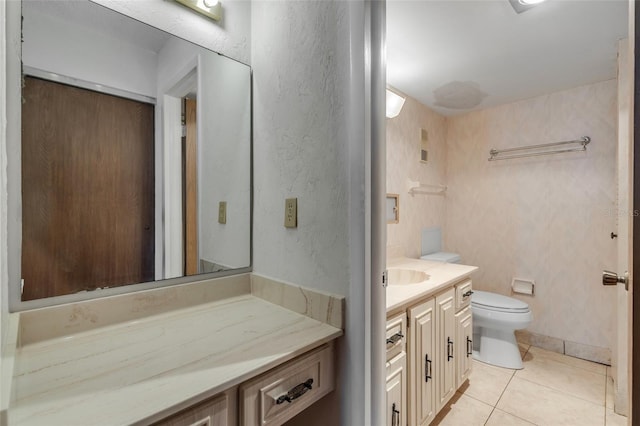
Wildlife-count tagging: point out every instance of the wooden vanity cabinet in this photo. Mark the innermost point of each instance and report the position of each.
(446, 339)
(271, 398)
(279, 394)
(464, 345)
(439, 351)
(396, 386)
(396, 390)
(464, 332)
(423, 354)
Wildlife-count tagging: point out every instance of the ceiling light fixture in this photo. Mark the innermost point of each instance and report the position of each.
(523, 5)
(394, 103)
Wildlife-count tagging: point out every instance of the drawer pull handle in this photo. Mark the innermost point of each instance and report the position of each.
(467, 294)
(296, 392)
(427, 368)
(469, 347)
(395, 338)
(449, 349)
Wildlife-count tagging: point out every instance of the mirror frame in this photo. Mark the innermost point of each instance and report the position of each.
(14, 178)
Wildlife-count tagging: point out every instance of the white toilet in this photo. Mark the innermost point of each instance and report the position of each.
(495, 319)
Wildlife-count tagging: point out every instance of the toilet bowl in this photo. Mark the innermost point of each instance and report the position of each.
(495, 319)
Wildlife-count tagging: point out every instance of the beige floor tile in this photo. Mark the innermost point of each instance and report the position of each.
(463, 410)
(546, 406)
(594, 367)
(523, 349)
(500, 418)
(486, 382)
(614, 419)
(545, 368)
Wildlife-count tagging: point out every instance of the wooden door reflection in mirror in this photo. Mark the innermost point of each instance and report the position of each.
(87, 190)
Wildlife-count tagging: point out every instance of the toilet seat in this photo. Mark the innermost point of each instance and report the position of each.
(495, 320)
(498, 302)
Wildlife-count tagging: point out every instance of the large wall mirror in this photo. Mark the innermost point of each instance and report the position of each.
(136, 154)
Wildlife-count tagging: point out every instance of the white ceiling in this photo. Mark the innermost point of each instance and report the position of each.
(483, 50)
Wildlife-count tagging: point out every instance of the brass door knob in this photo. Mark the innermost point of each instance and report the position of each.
(611, 278)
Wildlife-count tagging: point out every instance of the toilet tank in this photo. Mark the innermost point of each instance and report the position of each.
(432, 246)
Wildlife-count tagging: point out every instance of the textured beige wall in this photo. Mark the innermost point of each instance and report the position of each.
(544, 218)
(403, 163)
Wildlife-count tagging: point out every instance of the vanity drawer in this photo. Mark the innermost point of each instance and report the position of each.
(276, 396)
(396, 335)
(463, 294)
(212, 412)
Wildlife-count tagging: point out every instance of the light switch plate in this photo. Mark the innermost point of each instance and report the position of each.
(222, 212)
(291, 213)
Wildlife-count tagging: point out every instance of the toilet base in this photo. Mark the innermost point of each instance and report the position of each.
(497, 347)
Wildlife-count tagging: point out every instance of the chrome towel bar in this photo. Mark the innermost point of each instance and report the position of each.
(541, 149)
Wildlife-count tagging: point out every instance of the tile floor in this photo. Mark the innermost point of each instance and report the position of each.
(552, 389)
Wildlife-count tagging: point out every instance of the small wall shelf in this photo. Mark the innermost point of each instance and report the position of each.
(415, 187)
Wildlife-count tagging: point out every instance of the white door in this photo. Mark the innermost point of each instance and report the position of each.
(624, 215)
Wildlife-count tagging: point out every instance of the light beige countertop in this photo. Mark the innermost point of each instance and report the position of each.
(146, 368)
(440, 276)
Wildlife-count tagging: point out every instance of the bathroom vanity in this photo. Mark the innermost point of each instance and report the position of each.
(429, 337)
(240, 350)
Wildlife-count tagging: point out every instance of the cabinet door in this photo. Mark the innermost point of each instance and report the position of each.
(422, 363)
(464, 345)
(397, 390)
(445, 345)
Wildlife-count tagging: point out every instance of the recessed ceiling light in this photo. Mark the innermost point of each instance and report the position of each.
(523, 5)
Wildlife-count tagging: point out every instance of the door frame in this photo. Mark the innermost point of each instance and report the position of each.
(169, 206)
(634, 331)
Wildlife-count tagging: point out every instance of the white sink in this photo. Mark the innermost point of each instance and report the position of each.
(402, 276)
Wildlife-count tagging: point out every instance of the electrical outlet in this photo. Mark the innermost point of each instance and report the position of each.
(222, 212)
(291, 213)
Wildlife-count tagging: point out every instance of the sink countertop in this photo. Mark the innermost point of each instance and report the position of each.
(142, 370)
(441, 275)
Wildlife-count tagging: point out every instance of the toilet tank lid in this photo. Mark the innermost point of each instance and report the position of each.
(494, 300)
